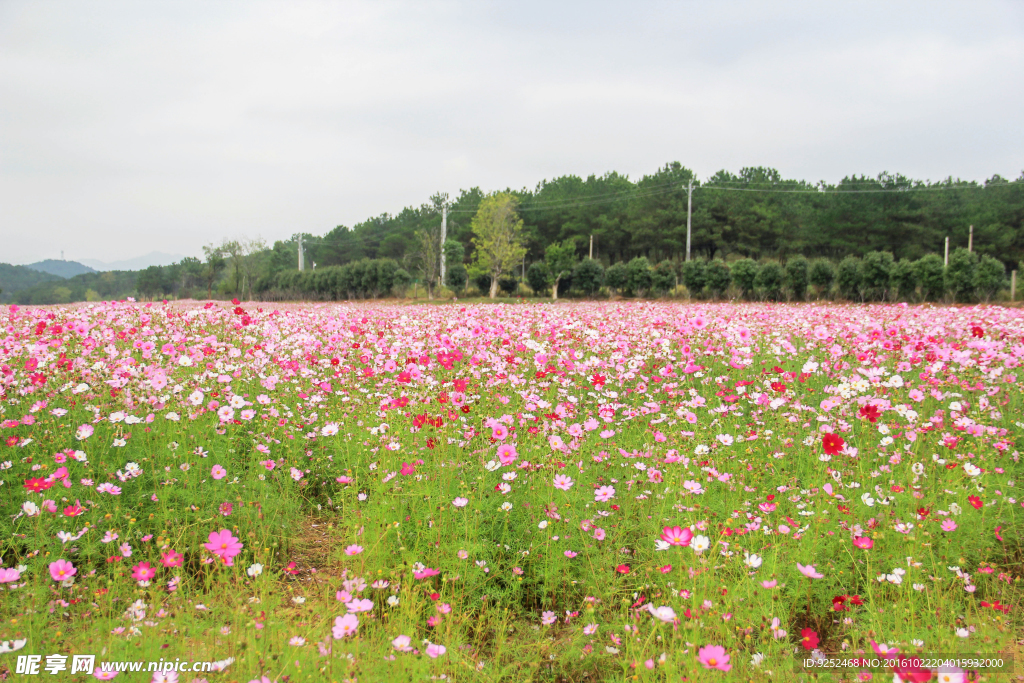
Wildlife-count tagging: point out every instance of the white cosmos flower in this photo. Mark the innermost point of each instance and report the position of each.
(700, 543)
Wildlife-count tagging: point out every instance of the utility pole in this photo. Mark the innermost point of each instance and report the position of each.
(689, 200)
(1013, 285)
(301, 255)
(945, 259)
(591, 247)
(970, 239)
(444, 236)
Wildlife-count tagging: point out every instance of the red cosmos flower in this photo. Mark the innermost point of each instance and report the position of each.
(996, 606)
(809, 639)
(832, 443)
(837, 603)
(12, 441)
(779, 387)
(870, 412)
(38, 484)
(74, 510)
(977, 331)
(623, 569)
(597, 380)
(292, 569)
(975, 502)
(922, 513)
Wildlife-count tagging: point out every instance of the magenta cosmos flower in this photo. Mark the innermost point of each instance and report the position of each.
(507, 454)
(62, 570)
(223, 545)
(674, 535)
(143, 572)
(714, 657)
(863, 542)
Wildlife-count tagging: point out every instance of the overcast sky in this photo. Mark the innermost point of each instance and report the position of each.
(139, 126)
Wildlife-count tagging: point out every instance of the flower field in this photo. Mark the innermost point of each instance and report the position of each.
(606, 491)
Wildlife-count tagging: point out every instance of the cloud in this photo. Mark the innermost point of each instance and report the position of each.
(132, 127)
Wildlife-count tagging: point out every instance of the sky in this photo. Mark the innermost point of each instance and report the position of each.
(132, 127)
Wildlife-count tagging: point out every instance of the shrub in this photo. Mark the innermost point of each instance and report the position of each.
(639, 276)
(744, 274)
(588, 276)
(796, 277)
(990, 277)
(617, 277)
(538, 277)
(822, 275)
(695, 276)
(509, 285)
(932, 276)
(960, 274)
(719, 278)
(903, 279)
(848, 278)
(875, 271)
(769, 280)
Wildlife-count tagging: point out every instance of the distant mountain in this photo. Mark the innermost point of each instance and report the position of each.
(16, 278)
(153, 258)
(63, 269)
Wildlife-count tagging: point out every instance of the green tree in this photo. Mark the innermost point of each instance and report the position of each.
(538, 277)
(214, 265)
(932, 276)
(848, 278)
(560, 258)
(718, 278)
(903, 279)
(797, 277)
(960, 274)
(497, 237)
(769, 280)
(150, 282)
(822, 275)
(744, 274)
(455, 271)
(587, 276)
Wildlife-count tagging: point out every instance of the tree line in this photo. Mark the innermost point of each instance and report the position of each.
(755, 216)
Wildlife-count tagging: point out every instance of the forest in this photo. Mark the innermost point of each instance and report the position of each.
(754, 216)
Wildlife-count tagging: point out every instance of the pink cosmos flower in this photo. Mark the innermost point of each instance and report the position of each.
(507, 454)
(863, 542)
(599, 534)
(84, 432)
(664, 613)
(218, 472)
(62, 570)
(460, 502)
(143, 572)
(604, 493)
(809, 571)
(674, 535)
(714, 657)
(223, 545)
(353, 549)
(435, 651)
(570, 554)
(172, 559)
(563, 482)
(948, 525)
(345, 626)
(401, 643)
(426, 573)
(9, 575)
(355, 606)
(499, 432)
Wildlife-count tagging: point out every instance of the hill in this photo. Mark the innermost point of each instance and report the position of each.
(63, 269)
(16, 278)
